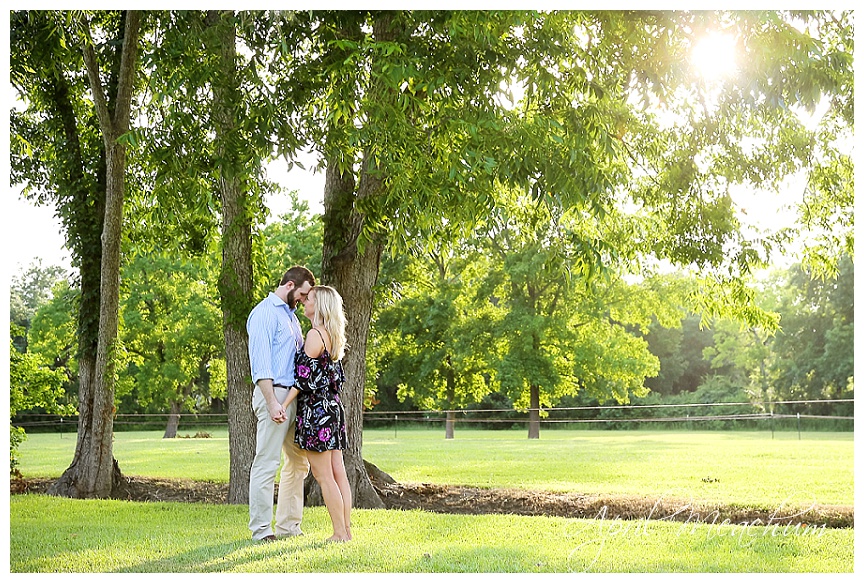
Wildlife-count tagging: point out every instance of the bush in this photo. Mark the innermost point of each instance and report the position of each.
(16, 438)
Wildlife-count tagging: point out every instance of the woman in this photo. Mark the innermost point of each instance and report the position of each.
(320, 416)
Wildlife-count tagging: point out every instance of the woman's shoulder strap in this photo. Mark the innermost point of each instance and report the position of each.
(322, 339)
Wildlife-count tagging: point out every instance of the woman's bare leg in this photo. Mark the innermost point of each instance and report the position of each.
(322, 469)
(341, 477)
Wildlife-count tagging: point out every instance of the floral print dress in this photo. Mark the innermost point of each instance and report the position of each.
(320, 416)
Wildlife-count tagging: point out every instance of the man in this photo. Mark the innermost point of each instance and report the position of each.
(275, 337)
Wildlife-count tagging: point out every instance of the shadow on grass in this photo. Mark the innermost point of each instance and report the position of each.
(226, 557)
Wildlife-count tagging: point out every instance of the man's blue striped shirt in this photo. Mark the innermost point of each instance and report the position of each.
(275, 337)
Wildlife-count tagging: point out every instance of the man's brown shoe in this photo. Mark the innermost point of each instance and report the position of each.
(269, 538)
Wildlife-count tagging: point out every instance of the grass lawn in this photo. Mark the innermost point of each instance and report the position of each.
(50, 534)
(724, 467)
(54, 535)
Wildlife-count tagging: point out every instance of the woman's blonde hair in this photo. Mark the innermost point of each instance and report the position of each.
(330, 314)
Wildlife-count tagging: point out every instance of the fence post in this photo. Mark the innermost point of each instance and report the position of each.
(798, 415)
(395, 421)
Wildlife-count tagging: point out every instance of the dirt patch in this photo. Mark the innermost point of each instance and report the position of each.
(142, 489)
(465, 500)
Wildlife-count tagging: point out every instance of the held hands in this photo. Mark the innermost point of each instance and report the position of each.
(277, 411)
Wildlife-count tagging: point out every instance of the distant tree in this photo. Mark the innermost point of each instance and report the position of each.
(52, 333)
(32, 385)
(814, 348)
(810, 356)
(29, 290)
(171, 334)
(168, 316)
(744, 354)
(436, 340)
(665, 344)
(567, 312)
(680, 350)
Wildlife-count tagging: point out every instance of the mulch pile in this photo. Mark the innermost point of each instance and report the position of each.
(465, 500)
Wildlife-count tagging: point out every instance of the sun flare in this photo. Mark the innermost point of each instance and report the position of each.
(714, 56)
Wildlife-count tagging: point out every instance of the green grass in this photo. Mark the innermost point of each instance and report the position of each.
(139, 453)
(737, 467)
(54, 535)
(57, 535)
(723, 467)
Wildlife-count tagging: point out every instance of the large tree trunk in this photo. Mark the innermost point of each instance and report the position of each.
(84, 230)
(67, 484)
(241, 420)
(94, 473)
(353, 273)
(97, 470)
(235, 281)
(350, 263)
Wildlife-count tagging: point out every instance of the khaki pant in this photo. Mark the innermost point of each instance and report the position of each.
(272, 440)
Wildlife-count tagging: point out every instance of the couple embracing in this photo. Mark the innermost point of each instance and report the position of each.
(296, 400)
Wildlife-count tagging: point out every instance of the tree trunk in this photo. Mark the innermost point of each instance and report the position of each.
(94, 473)
(450, 423)
(97, 471)
(241, 420)
(67, 484)
(353, 273)
(88, 224)
(173, 421)
(534, 413)
(85, 240)
(350, 263)
(235, 281)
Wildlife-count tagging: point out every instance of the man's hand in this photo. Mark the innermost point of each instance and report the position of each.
(274, 407)
(277, 411)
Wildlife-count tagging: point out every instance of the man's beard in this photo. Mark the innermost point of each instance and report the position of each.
(292, 299)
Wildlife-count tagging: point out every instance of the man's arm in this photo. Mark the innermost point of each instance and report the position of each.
(277, 411)
(259, 326)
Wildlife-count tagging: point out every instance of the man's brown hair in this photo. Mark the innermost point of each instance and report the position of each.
(298, 274)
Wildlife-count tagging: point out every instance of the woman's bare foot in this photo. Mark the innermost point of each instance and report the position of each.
(339, 539)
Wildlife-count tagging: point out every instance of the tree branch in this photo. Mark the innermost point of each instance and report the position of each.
(100, 102)
(114, 128)
(127, 78)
